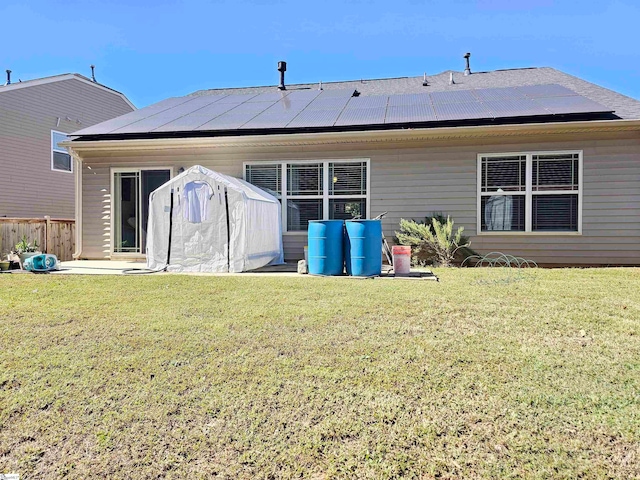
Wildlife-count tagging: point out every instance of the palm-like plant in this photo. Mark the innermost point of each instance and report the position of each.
(437, 238)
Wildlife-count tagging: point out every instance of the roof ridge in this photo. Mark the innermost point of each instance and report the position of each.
(58, 78)
(308, 84)
(38, 78)
(361, 80)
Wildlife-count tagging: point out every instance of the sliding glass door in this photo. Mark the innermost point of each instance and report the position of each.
(131, 190)
(126, 212)
(149, 180)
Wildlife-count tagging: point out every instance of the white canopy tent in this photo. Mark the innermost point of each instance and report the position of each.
(214, 223)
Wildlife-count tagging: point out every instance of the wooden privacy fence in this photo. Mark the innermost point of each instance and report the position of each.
(54, 235)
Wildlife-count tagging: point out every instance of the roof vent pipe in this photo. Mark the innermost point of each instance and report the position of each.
(282, 67)
(8, 77)
(320, 87)
(451, 82)
(93, 73)
(467, 70)
(424, 80)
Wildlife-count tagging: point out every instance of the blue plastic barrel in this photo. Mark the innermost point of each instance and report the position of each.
(363, 247)
(326, 251)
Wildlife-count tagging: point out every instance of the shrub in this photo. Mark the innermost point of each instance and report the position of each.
(434, 239)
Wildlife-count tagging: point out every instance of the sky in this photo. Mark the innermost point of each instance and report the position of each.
(154, 50)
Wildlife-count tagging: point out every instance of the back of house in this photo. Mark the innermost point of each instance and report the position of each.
(533, 162)
(35, 115)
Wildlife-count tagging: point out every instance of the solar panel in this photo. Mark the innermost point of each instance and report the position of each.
(217, 97)
(186, 123)
(302, 95)
(410, 113)
(248, 107)
(460, 96)
(228, 121)
(270, 120)
(515, 108)
(462, 111)
(161, 118)
(489, 94)
(361, 116)
(328, 103)
(287, 104)
(409, 99)
(238, 98)
(342, 92)
(315, 118)
(132, 117)
(574, 104)
(307, 108)
(552, 90)
(196, 118)
(373, 101)
(270, 96)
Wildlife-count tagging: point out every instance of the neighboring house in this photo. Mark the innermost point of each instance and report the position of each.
(532, 162)
(35, 115)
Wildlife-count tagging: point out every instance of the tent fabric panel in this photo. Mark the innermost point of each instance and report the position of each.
(199, 240)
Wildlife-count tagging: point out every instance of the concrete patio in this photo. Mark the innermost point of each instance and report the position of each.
(120, 267)
(123, 267)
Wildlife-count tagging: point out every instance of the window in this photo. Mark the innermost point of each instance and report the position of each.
(534, 192)
(304, 194)
(267, 177)
(314, 190)
(60, 158)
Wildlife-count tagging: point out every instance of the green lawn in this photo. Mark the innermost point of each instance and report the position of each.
(261, 377)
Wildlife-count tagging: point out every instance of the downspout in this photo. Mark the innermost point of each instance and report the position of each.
(78, 204)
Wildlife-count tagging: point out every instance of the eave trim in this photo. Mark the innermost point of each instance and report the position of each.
(363, 137)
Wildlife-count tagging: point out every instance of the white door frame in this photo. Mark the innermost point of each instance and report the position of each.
(112, 173)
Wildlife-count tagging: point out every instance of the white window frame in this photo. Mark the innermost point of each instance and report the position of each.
(112, 176)
(59, 150)
(325, 186)
(529, 193)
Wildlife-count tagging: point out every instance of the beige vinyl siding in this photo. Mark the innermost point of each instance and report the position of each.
(27, 115)
(440, 176)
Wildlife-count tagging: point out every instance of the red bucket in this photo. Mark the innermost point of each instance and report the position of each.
(401, 259)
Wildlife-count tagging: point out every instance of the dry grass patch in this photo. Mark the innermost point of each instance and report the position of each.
(249, 377)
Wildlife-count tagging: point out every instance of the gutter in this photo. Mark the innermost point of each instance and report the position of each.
(353, 137)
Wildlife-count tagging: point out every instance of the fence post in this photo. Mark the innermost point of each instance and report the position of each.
(47, 233)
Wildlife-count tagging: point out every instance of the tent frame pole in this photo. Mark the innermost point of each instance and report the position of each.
(170, 230)
(226, 206)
